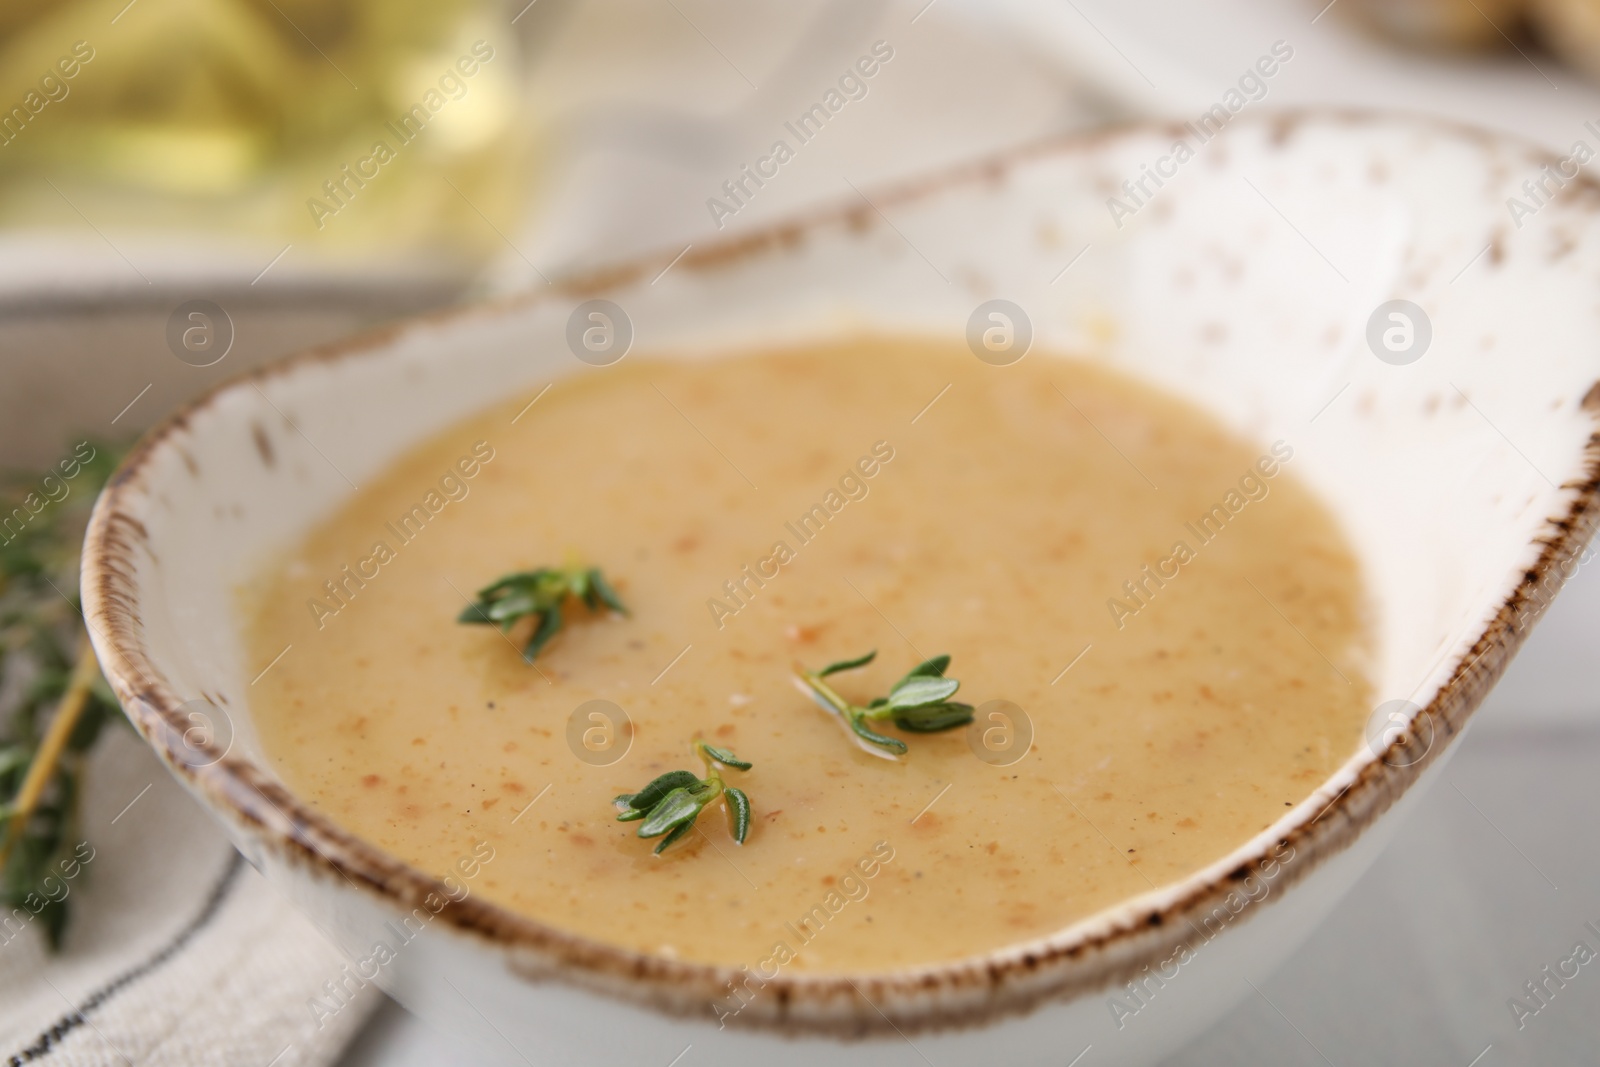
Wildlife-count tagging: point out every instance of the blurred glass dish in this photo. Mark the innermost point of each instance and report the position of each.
(1439, 24)
(1571, 29)
(360, 130)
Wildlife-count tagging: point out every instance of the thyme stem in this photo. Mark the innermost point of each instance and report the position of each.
(919, 702)
(43, 767)
(713, 776)
(811, 683)
(867, 740)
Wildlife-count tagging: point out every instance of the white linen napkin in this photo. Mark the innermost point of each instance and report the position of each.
(177, 952)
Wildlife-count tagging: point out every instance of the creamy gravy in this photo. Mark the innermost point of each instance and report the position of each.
(1015, 523)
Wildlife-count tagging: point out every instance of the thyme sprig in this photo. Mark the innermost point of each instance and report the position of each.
(918, 703)
(539, 595)
(53, 702)
(670, 804)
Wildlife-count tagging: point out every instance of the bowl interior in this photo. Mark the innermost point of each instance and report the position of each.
(1246, 281)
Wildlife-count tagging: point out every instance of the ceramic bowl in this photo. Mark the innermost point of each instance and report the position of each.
(1253, 271)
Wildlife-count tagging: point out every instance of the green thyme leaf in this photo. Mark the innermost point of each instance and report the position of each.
(848, 664)
(600, 588)
(931, 668)
(722, 755)
(514, 605)
(539, 595)
(859, 725)
(738, 813)
(921, 691)
(549, 623)
(651, 795)
(680, 831)
(678, 806)
(934, 717)
(13, 758)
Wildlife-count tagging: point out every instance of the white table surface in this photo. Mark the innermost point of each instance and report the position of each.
(1497, 872)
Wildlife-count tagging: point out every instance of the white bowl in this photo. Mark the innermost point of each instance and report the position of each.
(1466, 480)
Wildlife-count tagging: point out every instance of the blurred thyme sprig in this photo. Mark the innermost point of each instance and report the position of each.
(671, 803)
(539, 595)
(919, 702)
(53, 702)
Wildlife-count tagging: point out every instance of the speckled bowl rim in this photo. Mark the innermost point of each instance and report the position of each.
(965, 993)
